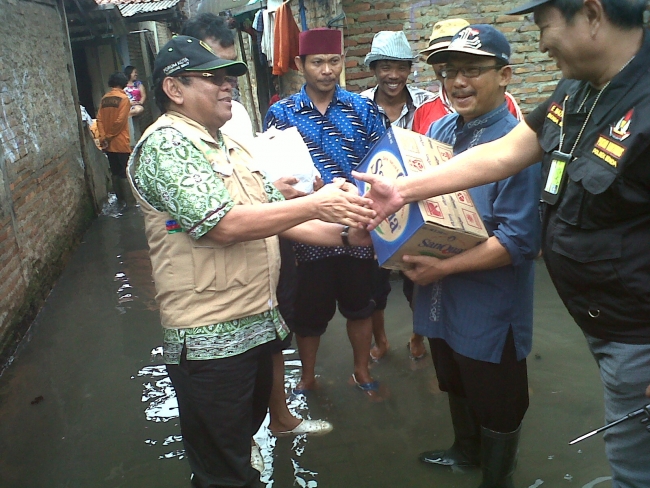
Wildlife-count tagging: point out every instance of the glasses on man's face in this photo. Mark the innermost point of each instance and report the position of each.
(467, 72)
(217, 79)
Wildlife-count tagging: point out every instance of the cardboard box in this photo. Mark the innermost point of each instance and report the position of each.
(442, 226)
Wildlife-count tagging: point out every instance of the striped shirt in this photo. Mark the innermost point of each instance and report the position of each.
(417, 97)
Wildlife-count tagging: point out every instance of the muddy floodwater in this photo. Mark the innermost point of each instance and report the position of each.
(86, 401)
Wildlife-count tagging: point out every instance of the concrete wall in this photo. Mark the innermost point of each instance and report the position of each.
(43, 197)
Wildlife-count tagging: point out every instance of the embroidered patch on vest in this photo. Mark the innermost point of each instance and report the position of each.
(621, 130)
(173, 227)
(555, 113)
(608, 150)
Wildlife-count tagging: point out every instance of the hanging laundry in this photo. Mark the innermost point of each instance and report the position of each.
(286, 40)
(258, 25)
(268, 19)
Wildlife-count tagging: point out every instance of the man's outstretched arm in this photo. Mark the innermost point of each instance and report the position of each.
(477, 166)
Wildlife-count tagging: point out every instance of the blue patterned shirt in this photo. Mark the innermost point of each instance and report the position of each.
(337, 142)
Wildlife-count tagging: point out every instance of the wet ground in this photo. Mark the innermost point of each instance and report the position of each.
(86, 402)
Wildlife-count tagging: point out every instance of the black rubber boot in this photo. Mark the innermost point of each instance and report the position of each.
(467, 444)
(498, 457)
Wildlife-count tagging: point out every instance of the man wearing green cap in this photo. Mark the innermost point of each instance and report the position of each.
(211, 221)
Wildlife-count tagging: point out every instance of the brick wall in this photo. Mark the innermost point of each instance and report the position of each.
(43, 200)
(535, 74)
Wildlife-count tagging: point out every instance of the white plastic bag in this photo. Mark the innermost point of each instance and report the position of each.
(282, 153)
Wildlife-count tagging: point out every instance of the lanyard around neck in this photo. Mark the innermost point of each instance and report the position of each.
(584, 125)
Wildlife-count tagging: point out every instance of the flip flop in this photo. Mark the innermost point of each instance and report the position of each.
(307, 426)
(367, 387)
(415, 358)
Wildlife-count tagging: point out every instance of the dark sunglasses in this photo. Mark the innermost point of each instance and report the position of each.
(216, 79)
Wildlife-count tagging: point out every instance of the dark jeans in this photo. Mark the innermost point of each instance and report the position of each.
(222, 403)
(498, 393)
(118, 162)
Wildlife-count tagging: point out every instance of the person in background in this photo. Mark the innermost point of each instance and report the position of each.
(135, 91)
(338, 128)
(391, 61)
(440, 105)
(113, 129)
(211, 222)
(214, 31)
(591, 135)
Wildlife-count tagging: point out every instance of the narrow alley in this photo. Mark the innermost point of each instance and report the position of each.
(86, 401)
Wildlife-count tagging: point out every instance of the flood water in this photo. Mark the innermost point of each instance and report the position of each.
(87, 403)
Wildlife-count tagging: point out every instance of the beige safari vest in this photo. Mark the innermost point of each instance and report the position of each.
(199, 282)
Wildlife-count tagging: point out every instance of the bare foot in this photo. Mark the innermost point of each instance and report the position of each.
(378, 351)
(372, 389)
(306, 385)
(416, 347)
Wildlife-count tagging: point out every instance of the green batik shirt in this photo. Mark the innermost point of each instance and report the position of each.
(175, 177)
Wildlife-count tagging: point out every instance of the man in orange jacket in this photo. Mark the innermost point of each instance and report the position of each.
(113, 127)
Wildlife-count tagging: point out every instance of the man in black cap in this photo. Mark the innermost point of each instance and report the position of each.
(592, 138)
(211, 222)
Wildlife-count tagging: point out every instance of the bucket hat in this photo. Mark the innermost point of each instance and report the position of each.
(390, 45)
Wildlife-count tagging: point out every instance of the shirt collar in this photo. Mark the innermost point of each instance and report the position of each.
(417, 96)
(485, 120)
(217, 156)
(202, 131)
(340, 96)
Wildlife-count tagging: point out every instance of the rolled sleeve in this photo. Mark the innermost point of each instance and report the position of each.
(516, 212)
(272, 193)
(176, 178)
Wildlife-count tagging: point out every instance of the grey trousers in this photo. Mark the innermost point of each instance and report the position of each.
(625, 373)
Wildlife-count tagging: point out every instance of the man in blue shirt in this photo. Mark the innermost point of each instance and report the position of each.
(477, 307)
(339, 128)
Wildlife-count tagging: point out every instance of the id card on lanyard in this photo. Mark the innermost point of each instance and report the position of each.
(556, 179)
(557, 175)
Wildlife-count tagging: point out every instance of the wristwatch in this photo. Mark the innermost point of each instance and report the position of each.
(345, 233)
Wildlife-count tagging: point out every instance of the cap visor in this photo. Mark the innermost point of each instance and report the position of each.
(382, 57)
(443, 56)
(234, 68)
(436, 47)
(527, 8)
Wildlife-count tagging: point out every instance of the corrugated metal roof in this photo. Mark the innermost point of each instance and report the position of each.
(131, 9)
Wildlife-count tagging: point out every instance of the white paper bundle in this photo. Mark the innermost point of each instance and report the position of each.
(282, 153)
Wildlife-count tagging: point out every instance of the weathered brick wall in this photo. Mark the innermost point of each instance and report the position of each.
(535, 74)
(43, 201)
